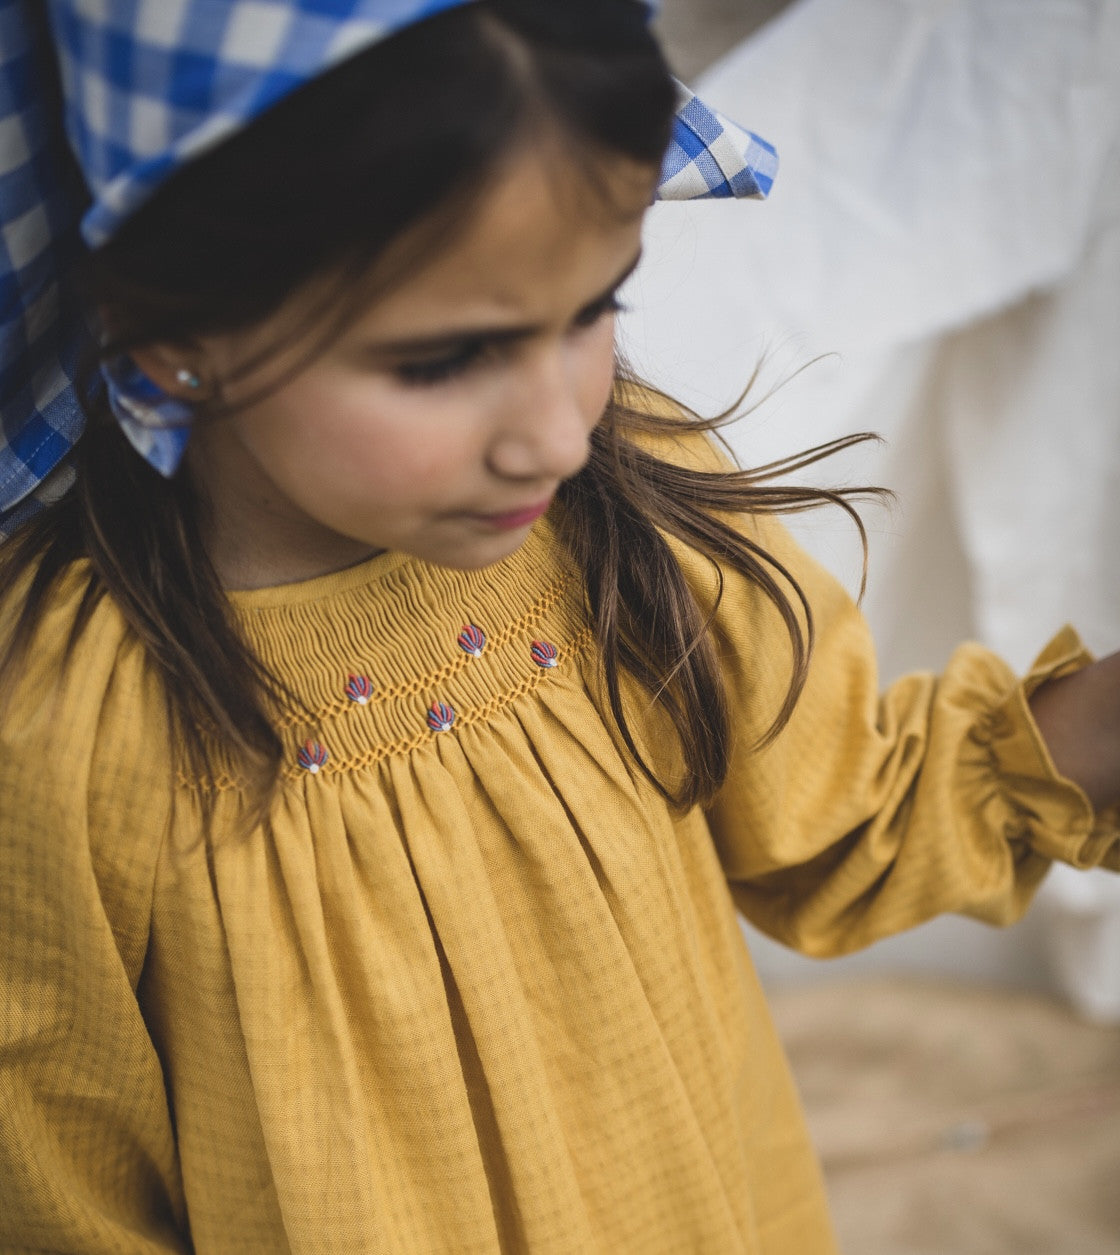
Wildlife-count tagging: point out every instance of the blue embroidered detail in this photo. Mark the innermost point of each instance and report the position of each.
(359, 689)
(544, 654)
(440, 717)
(312, 756)
(472, 640)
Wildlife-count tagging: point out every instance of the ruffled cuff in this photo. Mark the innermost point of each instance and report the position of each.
(1052, 814)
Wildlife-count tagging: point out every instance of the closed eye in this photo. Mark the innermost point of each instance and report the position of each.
(428, 371)
(432, 370)
(444, 364)
(590, 315)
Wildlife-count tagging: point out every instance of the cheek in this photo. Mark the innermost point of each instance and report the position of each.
(597, 369)
(339, 443)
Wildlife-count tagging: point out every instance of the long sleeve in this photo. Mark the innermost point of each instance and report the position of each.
(872, 812)
(87, 1153)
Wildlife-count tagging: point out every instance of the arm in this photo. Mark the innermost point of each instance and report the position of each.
(88, 1162)
(874, 811)
(1079, 718)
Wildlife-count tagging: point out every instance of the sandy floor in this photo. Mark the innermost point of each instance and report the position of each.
(956, 1121)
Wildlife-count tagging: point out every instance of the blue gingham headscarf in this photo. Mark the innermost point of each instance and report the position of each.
(143, 87)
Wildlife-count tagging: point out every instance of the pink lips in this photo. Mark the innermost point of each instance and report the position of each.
(516, 518)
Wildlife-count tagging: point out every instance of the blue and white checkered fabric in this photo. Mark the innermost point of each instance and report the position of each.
(39, 336)
(150, 84)
(710, 157)
(147, 86)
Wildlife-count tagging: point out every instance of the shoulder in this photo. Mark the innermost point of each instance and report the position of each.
(75, 647)
(84, 757)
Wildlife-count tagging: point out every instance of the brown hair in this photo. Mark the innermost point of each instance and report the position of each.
(647, 619)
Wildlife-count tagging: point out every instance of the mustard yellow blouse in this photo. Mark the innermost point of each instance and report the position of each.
(472, 987)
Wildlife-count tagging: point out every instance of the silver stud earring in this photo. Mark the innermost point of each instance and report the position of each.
(187, 378)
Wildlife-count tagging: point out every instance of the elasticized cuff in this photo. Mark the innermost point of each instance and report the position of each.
(1053, 815)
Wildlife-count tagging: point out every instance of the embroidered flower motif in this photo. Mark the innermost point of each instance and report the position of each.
(440, 717)
(544, 654)
(358, 689)
(312, 756)
(472, 640)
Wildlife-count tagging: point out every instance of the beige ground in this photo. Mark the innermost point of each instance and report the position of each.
(955, 1121)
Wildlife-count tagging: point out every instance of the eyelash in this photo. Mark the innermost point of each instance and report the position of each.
(608, 305)
(439, 370)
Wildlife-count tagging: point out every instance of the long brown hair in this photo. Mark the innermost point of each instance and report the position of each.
(296, 197)
(648, 622)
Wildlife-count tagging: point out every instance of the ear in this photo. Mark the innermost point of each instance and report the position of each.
(173, 368)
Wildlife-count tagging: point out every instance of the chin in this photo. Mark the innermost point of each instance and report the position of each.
(478, 557)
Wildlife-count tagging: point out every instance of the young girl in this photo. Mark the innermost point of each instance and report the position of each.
(400, 702)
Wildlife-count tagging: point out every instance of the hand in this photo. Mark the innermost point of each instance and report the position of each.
(1079, 717)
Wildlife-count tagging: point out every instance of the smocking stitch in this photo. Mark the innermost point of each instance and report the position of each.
(487, 710)
(225, 783)
(440, 675)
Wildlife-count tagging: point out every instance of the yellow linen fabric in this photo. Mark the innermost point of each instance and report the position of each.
(474, 990)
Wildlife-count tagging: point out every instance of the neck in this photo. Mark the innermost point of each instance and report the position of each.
(253, 536)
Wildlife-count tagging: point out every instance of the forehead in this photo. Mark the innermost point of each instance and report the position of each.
(542, 239)
(543, 227)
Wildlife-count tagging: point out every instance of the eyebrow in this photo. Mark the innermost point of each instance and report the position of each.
(456, 337)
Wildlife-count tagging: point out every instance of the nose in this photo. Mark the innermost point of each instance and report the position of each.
(542, 433)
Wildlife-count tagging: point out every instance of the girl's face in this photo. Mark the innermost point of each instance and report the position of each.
(442, 421)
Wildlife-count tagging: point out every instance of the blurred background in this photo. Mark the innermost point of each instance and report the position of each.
(943, 244)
